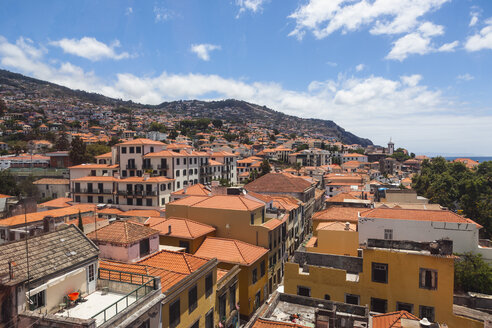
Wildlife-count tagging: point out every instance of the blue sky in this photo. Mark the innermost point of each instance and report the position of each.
(414, 70)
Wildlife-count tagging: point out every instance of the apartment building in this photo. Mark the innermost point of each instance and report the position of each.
(389, 276)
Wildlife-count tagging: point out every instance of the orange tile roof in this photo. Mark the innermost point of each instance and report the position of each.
(164, 153)
(312, 241)
(6, 196)
(57, 202)
(175, 261)
(278, 182)
(343, 214)
(221, 273)
(93, 166)
(263, 323)
(109, 210)
(52, 181)
(416, 215)
(272, 224)
(122, 233)
(168, 278)
(336, 226)
(141, 141)
(196, 190)
(341, 197)
(180, 227)
(392, 319)
(97, 178)
(230, 251)
(263, 198)
(225, 202)
(39, 216)
(105, 155)
(141, 213)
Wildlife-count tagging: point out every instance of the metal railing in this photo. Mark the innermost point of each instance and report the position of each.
(137, 193)
(146, 285)
(93, 191)
(163, 167)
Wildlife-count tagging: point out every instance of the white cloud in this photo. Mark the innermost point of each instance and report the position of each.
(420, 42)
(203, 50)
(251, 5)
(129, 11)
(482, 40)
(162, 14)
(359, 67)
(474, 13)
(422, 119)
(90, 48)
(323, 17)
(473, 21)
(465, 77)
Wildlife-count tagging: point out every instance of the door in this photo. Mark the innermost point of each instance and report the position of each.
(91, 278)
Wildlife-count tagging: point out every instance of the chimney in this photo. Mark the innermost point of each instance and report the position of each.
(11, 269)
(347, 226)
(48, 224)
(169, 230)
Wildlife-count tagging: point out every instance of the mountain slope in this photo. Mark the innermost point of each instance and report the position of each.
(230, 110)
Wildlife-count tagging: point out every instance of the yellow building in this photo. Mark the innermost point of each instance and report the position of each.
(391, 276)
(189, 284)
(334, 238)
(241, 218)
(181, 232)
(253, 261)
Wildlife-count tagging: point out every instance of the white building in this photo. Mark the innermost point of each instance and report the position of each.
(422, 226)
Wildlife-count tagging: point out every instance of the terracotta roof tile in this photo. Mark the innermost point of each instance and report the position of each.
(122, 233)
(52, 181)
(230, 251)
(278, 182)
(417, 215)
(336, 226)
(226, 202)
(194, 190)
(39, 216)
(57, 202)
(180, 227)
(391, 320)
(141, 141)
(343, 214)
(175, 261)
(141, 213)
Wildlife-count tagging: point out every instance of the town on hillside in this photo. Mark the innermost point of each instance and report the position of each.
(116, 214)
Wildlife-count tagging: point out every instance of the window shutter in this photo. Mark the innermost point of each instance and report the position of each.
(422, 278)
(434, 279)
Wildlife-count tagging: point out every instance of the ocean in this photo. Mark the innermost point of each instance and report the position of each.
(479, 159)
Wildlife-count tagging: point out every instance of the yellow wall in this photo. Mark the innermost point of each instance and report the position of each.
(204, 304)
(336, 242)
(229, 309)
(402, 286)
(174, 241)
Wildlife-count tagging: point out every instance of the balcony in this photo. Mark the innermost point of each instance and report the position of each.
(141, 193)
(93, 191)
(147, 167)
(163, 167)
(131, 166)
(118, 294)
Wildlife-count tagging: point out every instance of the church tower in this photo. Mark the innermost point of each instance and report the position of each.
(391, 147)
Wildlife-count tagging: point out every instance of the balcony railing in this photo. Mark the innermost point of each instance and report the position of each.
(93, 191)
(147, 167)
(131, 166)
(146, 285)
(163, 167)
(137, 193)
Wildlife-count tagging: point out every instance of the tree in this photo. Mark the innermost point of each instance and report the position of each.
(114, 140)
(272, 137)
(400, 155)
(95, 150)
(292, 135)
(211, 138)
(8, 184)
(302, 147)
(276, 131)
(217, 123)
(81, 224)
(265, 167)
(297, 166)
(78, 151)
(62, 142)
(336, 160)
(3, 107)
(357, 151)
(156, 126)
(472, 274)
(173, 134)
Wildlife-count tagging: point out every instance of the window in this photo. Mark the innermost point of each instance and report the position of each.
(388, 234)
(100, 199)
(327, 297)
(209, 319)
(352, 299)
(139, 201)
(91, 272)
(77, 199)
(378, 305)
(185, 245)
(177, 173)
(196, 324)
(177, 161)
(380, 272)
(138, 150)
(252, 218)
(148, 202)
(232, 297)
(129, 201)
(184, 161)
(184, 172)
(37, 300)
(426, 312)
(262, 268)
(89, 199)
(192, 299)
(144, 247)
(209, 282)
(163, 201)
(255, 275)
(428, 279)
(404, 307)
(174, 314)
(132, 150)
(222, 305)
(123, 150)
(145, 324)
(178, 185)
(303, 291)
